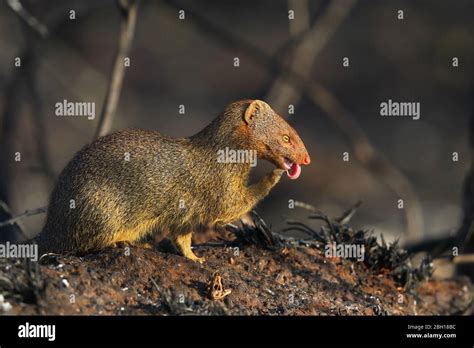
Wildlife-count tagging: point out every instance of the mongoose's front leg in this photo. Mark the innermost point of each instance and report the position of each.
(182, 242)
(259, 190)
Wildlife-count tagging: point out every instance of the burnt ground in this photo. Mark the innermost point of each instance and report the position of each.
(265, 273)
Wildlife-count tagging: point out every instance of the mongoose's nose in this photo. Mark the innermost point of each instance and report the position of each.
(306, 160)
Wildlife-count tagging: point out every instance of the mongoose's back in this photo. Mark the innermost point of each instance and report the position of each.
(115, 186)
(127, 184)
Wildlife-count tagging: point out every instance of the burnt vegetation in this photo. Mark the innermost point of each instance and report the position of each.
(250, 271)
(251, 268)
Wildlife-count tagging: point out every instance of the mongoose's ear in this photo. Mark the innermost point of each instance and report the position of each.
(250, 112)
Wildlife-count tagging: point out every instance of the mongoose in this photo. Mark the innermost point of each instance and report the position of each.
(124, 185)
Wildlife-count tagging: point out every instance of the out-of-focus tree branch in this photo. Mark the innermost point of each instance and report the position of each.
(128, 9)
(33, 30)
(31, 21)
(12, 221)
(372, 160)
(282, 92)
(15, 95)
(27, 77)
(37, 114)
(17, 218)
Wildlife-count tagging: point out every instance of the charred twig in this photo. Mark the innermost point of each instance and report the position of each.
(155, 284)
(377, 255)
(316, 214)
(167, 300)
(35, 283)
(263, 230)
(258, 233)
(302, 227)
(325, 218)
(128, 9)
(347, 215)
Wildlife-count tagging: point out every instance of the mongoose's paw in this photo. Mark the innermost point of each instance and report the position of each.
(125, 244)
(195, 258)
(144, 245)
(188, 253)
(275, 176)
(182, 243)
(277, 173)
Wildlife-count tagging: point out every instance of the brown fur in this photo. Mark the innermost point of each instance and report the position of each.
(123, 201)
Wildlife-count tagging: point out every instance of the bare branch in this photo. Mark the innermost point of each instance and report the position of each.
(16, 219)
(370, 158)
(306, 206)
(127, 30)
(465, 258)
(460, 259)
(373, 161)
(282, 92)
(14, 98)
(301, 22)
(467, 238)
(28, 18)
(347, 215)
(4, 206)
(37, 111)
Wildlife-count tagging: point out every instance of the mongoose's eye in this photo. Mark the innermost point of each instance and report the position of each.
(286, 138)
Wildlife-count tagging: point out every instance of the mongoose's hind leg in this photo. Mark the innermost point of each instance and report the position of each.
(182, 242)
(139, 244)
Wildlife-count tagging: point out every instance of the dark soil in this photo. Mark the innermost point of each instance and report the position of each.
(294, 279)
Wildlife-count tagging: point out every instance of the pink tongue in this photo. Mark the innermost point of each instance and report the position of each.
(294, 172)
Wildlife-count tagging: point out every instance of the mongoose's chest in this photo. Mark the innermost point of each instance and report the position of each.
(219, 201)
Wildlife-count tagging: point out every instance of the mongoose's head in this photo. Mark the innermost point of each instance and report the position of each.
(273, 138)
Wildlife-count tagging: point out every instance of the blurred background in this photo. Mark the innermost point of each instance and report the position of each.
(190, 62)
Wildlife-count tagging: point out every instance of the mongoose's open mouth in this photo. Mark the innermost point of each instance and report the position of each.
(293, 170)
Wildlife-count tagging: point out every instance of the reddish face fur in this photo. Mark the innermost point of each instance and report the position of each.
(272, 137)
